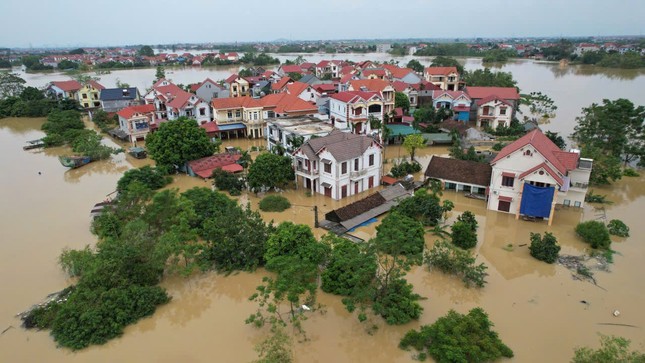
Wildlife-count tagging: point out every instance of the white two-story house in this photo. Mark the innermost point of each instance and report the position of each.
(136, 121)
(339, 164)
(494, 111)
(457, 101)
(445, 77)
(531, 175)
(350, 111)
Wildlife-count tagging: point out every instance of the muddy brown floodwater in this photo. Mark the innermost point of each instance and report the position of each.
(536, 307)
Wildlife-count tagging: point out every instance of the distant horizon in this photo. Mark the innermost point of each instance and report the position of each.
(353, 40)
(75, 23)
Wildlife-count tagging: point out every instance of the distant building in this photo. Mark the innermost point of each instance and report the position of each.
(383, 48)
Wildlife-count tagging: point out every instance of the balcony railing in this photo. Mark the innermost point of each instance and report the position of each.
(302, 170)
(580, 185)
(357, 174)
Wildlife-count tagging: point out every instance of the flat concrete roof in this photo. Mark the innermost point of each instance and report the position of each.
(301, 125)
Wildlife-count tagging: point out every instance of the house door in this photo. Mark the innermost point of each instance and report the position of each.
(355, 187)
(504, 206)
(370, 182)
(307, 183)
(343, 191)
(328, 192)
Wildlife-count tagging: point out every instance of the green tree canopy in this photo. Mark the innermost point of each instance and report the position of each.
(415, 65)
(11, 85)
(544, 248)
(458, 338)
(463, 235)
(401, 100)
(413, 142)
(399, 234)
(177, 142)
(422, 206)
(486, 78)
(149, 176)
(612, 350)
(442, 61)
(147, 51)
(270, 171)
(160, 73)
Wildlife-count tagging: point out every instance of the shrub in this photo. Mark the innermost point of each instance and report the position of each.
(612, 350)
(152, 178)
(224, 180)
(468, 217)
(463, 235)
(453, 260)
(398, 305)
(630, 172)
(544, 248)
(498, 146)
(422, 206)
(618, 228)
(596, 198)
(274, 203)
(458, 338)
(405, 168)
(595, 233)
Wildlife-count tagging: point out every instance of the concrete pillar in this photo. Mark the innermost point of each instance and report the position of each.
(555, 197)
(517, 214)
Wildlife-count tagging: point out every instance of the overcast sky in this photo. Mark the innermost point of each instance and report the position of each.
(121, 22)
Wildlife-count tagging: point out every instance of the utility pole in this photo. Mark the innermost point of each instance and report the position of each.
(315, 216)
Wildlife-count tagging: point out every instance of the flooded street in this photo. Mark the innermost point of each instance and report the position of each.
(536, 307)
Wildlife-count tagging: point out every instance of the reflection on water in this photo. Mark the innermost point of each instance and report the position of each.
(535, 306)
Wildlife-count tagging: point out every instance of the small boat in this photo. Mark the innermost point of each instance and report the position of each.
(475, 196)
(34, 144)
(138, 152)
(74, 161)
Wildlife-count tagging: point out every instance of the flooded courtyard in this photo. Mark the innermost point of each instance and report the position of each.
(536, 307)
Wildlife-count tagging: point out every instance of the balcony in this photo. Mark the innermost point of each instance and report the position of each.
(357, 174)
(577, 185)
(311, 173)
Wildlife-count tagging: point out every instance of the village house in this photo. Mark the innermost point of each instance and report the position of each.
(383, 88)
(286, 69)
(136, 121)
(115, 99)
(350, 111)
(339, 165)
(493, 106)
(457, 101)
(445, 77)
(411, 91)
(209, 89)
(237, 86)
(204, 167)
(303, 91)
(329, 69)
(586, 47)
(531, 175)
(289, 133)
(406, 75)
(374, 73)
(63, 90)
(185, 104)
(460, 175)
(88, 95)
(248, 115)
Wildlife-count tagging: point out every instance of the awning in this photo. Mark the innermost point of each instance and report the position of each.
(326, 161)
(510, 175)
(325, 185)
(505, 199)
(388, 180)
(232, 127)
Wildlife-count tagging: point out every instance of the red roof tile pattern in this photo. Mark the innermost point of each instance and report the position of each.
(96, 85)
(494, 98)
(463, 171)
(296, 88)
(374, 85)
(507, 93)
(204, 167)
(67, 86)
(279, 85)
(130, 111)
(354, 96)
(441, 70)
(398, 72)
(291, 68)
(545, 147)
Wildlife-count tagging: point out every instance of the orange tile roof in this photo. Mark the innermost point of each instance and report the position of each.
(374, 85)
(280, 84)
(297, 88)
(67, 86)
(441, 70)
(507, 93)
(128, 112)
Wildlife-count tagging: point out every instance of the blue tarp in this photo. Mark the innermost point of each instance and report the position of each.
(367, 222)
(536, 201)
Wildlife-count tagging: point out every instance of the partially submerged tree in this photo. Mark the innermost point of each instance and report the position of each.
(612, 350)
(270, 171)
(595, 233)
(413, 142)
(177, 142)
(456, 261)
(544, 248)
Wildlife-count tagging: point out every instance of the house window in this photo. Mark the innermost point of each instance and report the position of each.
(84, 95)
(202, 112)
(343, 167)
(230, 115)
(577, 204)
(327, 168)
(238, 114)
(567, 202)
(508, 181)
(502, 111)
(356, 164)
(504, 206)
(501, 124)
(371, 160)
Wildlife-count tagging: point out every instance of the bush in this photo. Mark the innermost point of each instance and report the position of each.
(463, 235)
(618, 228)
(468, 217)
(150, 177)
(498, 146)
(544, 248)
(405, 168)
(630, 172)
(595, 233)
(453, 260)
(224, 180)
(274, 203)
(612, 350)
(458, 338)
(422, 206)
(398, 305)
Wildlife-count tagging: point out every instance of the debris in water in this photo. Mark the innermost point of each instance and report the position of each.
(581, 269)
(616, 313)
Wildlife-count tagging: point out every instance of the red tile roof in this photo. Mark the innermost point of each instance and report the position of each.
(287, 103)
(67, 86)
(128, 112)
(376, 72)
(545, 147)
(231, 78)
(180, 99)
(374, 85)
(400, 86)
(204, 167)
(296, 88)
(398, 72)
(291, 68)
(324, 87)
(280, 84)
(493, 98)
(353, 96)
(96, 85)
(441, 70)
(507, 93)
(210, 127)
(547, 168)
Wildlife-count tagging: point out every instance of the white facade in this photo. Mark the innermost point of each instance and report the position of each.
(282, 131)
(353, 115)
(494, 113)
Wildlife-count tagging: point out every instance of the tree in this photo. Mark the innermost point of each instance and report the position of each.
(442, 61)
(615, 127)
(415, 65)
(147, 51)
(401, 100)
(77, 51)
(400, 234)
(458, 338)
(413, 142)
(295, 76)
(244, 72)
(618, 228)
(149, 176)
(463, 235)
(486, 78)
(612, 350)
(422, 206)
(177, 142)
(274, 203)
(276, 348)
(351, 268)
(541, 106)
(456, 261)
(469, 218)
(270, 171)
(544, 248)
(11, 85)
(557, 139)
(606, 168)
(161, 73)
(595, 233)
(224, 180)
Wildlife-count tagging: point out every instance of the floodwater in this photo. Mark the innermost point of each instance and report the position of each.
(536, 307)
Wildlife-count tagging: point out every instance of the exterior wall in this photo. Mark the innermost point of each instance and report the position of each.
(114, 106)
(338, 111)
(208, 91)
(254, 120)
(494, 116)
(88, 97)
(137, 127)
(411, 78)
(309, 95)
(227, 116)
